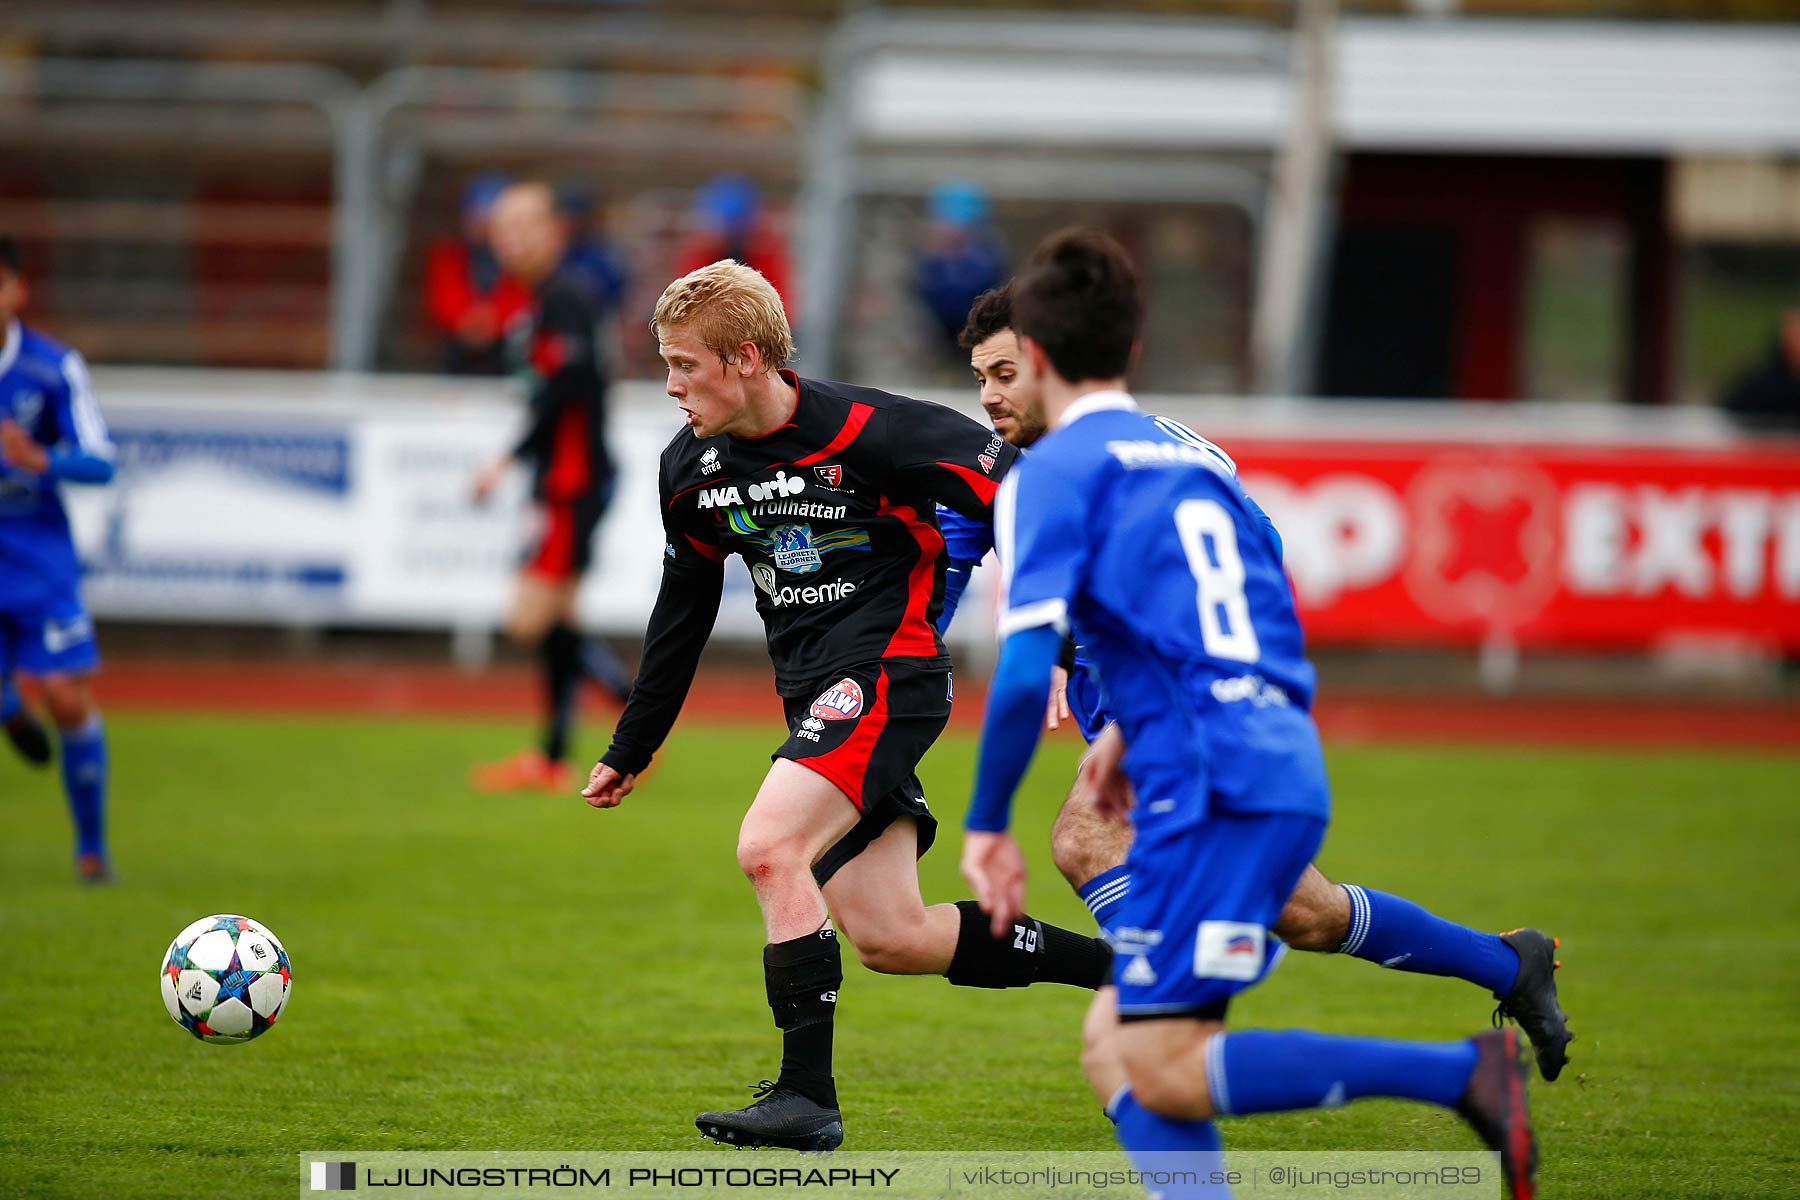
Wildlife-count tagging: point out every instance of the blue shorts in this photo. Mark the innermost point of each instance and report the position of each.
(1086, 704)
(1196, 927)
(55, 638)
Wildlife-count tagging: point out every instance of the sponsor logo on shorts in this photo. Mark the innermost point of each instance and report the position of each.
(830, 474)
(1137, 972)
(61, 635)
(1253, 688)
(1229, 950)
(840, 702)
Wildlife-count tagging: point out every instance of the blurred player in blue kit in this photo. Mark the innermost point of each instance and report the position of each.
(51, 432)
(1141, 541)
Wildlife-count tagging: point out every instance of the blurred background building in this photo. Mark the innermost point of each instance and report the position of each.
(1524, 198)
(1591, 203)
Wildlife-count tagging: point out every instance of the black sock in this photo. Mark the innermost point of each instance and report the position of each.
(560, 653)
(604, 668)
(802, 977)
(1032, 952)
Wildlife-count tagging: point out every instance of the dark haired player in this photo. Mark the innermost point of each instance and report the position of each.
(51, 433)
(553, 346)
(827, 492)
(1141, 542)
(1518, 968)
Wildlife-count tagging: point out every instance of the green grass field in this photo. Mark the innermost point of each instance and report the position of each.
(528, 974)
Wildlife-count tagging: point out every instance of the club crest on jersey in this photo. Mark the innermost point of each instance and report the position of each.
(28, 407)
(840, 702)
(794, 549)
(831, 474)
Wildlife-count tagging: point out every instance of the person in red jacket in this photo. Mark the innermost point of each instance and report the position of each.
(729, 223)
(469, 300)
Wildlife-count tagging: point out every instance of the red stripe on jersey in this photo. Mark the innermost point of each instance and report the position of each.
(717, 554)
(555, 557)
(853, 425)
(848, 765)
(983, 487)
(568, 474)
(915, 636)
(548, 354)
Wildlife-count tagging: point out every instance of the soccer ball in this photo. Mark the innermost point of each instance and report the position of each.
(225, 979)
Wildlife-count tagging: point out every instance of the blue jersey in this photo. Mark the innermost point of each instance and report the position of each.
(44, 388)
(1122, 527)
(967, 541)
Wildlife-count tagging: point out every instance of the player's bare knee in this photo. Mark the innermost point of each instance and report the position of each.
(1069, 853)
(70, 702)
(1169, 1092)
(525, 630)
(765, 860)
(1317, 915)
(1082, 844)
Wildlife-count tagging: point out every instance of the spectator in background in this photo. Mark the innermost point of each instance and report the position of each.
(960, 256)
(468, 299)
(729, 223)
(591, 258)
(1767, 396)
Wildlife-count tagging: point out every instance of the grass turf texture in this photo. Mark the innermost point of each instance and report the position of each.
(528, 974)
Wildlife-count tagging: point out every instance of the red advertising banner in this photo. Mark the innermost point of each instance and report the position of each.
(1541, 545)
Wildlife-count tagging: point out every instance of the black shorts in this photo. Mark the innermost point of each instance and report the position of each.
(565, 543)
(865, 730)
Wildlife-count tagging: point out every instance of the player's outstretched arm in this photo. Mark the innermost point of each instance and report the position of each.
(687, 604)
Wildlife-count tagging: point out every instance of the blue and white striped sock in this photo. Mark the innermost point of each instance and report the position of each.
(1397, 933)
(1103, 892)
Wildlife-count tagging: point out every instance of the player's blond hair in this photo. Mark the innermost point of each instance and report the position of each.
(726, 304)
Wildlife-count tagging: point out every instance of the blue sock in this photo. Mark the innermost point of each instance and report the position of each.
(84, 782)
(1103, 892)
(1268, 1070)
(10, 702)
(1160, 1144)
(1397, 933)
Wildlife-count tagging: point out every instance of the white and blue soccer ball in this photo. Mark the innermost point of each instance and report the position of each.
(226, 979)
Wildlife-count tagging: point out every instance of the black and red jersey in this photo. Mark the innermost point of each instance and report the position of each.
(554, 346)
(833, 515)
